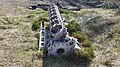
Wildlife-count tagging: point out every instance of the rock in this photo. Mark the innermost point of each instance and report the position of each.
(43, 6)
(34, 7)
(60, 5)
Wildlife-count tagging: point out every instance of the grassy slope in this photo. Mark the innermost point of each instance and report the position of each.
(103, 29)
(18, 43)
(17, 39)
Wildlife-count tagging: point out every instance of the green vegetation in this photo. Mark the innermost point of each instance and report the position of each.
(37, 23)
(74, 30)
(37, 16)
(67, 11)
(87, 49)
(19, 44)
(73, 27)
(85, 54)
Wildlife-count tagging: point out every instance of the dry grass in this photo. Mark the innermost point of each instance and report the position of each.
(18, 43)
(17, 40)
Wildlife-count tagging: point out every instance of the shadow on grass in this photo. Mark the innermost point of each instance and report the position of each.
(64, 61)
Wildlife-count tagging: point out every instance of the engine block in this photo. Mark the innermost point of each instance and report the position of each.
(59, 42)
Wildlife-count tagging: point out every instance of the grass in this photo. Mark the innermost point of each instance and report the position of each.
(19, 44)
(63, 11)
(109, 5)
(74, 30)
(37, 16)
(37, 23)
(17, 41)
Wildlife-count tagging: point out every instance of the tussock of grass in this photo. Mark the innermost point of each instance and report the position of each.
(37, 16)
(74, 30)
(37, 23)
